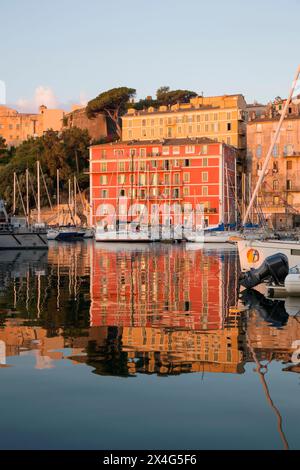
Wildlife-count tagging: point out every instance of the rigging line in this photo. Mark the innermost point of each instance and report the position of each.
(45, 185)
(33, 191)
(267, 393)
(20, 195)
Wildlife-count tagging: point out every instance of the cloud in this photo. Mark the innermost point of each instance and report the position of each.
(45, 95)
(42, 95)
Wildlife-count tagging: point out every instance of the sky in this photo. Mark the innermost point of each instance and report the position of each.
(61, 52)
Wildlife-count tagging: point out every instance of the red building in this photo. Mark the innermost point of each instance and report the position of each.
(190, 172)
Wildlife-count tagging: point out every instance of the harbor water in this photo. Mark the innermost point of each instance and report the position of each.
(142, 346)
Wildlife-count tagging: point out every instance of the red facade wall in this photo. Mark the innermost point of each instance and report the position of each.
(115, 170)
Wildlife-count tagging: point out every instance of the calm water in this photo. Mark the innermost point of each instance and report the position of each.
(107, 347)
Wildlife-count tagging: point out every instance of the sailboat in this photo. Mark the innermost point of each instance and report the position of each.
(64, 232)
(17, 233)
(253, 252)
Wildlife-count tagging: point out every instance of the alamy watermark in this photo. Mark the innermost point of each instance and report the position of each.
(156, 221)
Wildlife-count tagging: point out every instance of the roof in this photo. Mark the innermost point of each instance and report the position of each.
(258, 119)
(166, 142)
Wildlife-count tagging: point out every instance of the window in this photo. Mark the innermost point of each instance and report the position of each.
(121, 179)
(142, 152)
(186, 191)
(155, 151)
(204, 190)
(186, 177)
(176, 150)
(103, 179)
(186, 162)
(176, 178)
(142, 166)
(204, 149)
(132, 152)
(190, 149)
(142, 180)
(130, 123)
(166, 164)
(143, 122)
(275, 167)
(288, 185)
(104, 193)
(289, 165)
(122, 192)
(104, 166)
(121, 166)
(190, 129)
(176, 163)
(169, 132)
(154, 164)
(275, 185)
(130, 134)
(288, 150)
(258, 151)
(275, 150)
(229, 126)
(131, 179)
(103, 153)
(228, 116)
(118, 152)
(179, 129)
(228, 141)
(165, 150)
(215, 116)
(176, 193)
(206, 117)
(275, 200)
(204, 176)
(167, 178)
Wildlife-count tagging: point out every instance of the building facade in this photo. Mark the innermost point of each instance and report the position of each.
(220, 118)
(188, 172)
(16, 127)
(279, 196)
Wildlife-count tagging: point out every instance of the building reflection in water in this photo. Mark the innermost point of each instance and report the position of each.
(138, 309)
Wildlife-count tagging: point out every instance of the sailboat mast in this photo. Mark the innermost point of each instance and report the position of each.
(74, 200)
(27, 196)
(14, 194)
(57, 194)
(38, 191)
(273, 142)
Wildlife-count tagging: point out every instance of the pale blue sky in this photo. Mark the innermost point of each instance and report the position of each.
(78, 47)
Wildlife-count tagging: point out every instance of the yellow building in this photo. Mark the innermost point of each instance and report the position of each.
(222, 118)
(16, 127)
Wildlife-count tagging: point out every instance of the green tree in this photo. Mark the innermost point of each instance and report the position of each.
(113, 103)
(66, 151)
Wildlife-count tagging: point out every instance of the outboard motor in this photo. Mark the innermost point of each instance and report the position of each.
(275, 268)
(272, 311)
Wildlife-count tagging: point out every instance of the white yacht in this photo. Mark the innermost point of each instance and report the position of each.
(15, 234)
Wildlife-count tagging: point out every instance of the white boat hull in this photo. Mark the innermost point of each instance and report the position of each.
(253, 252)
(122, 236)
(212, 237)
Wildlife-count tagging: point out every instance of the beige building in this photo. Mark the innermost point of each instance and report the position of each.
(221, 118)
(16, 127)
(279, 195)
